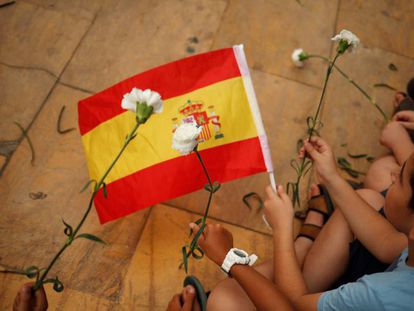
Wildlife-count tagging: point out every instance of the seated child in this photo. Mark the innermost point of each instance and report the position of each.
(391, 290)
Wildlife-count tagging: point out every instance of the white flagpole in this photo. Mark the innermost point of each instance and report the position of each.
(248, 85)
(272, 180)
(273, 184)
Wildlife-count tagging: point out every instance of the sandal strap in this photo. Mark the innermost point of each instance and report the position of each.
(318, 204)
(309, 231)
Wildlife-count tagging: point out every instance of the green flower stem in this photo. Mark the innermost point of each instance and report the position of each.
(372, 100)
(78, 227)
(211, 187)
(210, 196)
(312, 129)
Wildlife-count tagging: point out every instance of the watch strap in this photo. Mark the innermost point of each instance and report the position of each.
(232, 259)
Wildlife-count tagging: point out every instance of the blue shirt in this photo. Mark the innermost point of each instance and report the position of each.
(390, 290)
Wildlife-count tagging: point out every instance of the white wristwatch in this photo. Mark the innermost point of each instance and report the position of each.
(237, 256)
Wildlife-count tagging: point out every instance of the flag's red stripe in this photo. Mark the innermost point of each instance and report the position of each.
(177, 177)
(170, 80)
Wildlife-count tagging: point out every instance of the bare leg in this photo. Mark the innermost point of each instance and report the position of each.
(378, 177)
(329, 255)
(228, 295)
(303, 244)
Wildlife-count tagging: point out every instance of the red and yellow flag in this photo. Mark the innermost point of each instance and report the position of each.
(216, 91)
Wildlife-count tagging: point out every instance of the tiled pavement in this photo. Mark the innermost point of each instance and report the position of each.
(55, 52)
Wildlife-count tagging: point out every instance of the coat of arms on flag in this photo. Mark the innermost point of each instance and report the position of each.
(195, 111)
(215, 91)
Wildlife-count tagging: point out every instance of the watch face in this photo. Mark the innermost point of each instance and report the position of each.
(239, 253)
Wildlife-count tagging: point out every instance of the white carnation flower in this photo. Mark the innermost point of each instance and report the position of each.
(346, 40)
(298, 56)
(185, 138)
(146, 102)
(152, 99)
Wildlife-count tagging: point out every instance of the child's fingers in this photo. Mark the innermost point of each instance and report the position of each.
(407, 125)
(282, 194)
(195, 229)
(24, 300)
(175, 302)
(301, 152)
(320, 144)
(270, 192)
(404, 115)
(189, 296)
(312, 152)
(41, 299)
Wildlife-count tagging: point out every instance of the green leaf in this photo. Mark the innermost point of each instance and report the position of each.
(197, 235)
(385, 85)
(57, 284)
(88, 184)
(105, 193)
(288, 186)
(68, 230)
(216, 186)
(91, 237)
(370, 159)
(357, 156)
(346, 166)
(351, 173)
(295, 165)
(198, 255)
(343, 162)
(208, 187)
(31, 271)
(344, 144)
(392, 67)
(185, 259)
(197, 222)
(252, 196)
(307, 169)
(310, 122)
(58, 127)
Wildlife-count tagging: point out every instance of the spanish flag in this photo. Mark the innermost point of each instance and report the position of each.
(215, 90)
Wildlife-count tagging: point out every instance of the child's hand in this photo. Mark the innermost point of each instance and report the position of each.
(324, 160)
(215, 241)
(393, 133)
(184, 301)
(27, 299)
(405, 118)
(278, 210)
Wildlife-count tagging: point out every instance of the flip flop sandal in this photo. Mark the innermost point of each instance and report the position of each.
(320, 203)
(317, 203)
(200, 292)
(309, 231)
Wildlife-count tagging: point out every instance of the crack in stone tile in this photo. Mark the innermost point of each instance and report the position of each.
(57, 81)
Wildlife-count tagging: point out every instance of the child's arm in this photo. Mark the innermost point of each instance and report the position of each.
(374, 231)
(287, 274)
(395, 137)
(216, 242)
(288, 277)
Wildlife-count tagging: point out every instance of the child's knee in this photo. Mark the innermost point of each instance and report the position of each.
(379, 173)
(228, 295)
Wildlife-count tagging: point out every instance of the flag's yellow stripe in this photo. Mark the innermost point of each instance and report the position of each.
(153, 142)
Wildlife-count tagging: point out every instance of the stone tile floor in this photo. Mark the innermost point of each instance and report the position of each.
(55, 52)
